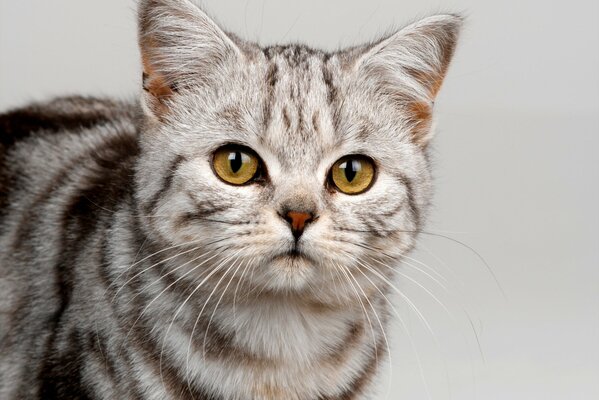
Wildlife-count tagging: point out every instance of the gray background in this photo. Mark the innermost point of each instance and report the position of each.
(516, 170)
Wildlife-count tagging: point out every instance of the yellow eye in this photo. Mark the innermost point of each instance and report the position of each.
(235, 164)
(353, 174)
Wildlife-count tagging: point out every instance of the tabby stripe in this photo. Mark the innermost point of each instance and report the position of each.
(345, 347)
(80, 218)
(271, 81)
(357, 387)
(138, 241)
(61, 115)
(327, 78)
(20, 124)
(407, 182)
(61, 376)
(167, 182)
(5, 185)
(218, 344)
(175, 384)
(96, 343)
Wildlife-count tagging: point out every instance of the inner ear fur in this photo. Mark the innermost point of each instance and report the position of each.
(408, 68)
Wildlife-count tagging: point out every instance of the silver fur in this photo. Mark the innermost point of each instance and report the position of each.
(224, 248)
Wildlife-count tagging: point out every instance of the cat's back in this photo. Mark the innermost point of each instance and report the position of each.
(44, 144)
(65, 166)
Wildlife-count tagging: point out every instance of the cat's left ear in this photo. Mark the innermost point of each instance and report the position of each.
(410, 65)
(181, 47)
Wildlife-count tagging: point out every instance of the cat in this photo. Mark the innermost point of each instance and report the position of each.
(232, 235)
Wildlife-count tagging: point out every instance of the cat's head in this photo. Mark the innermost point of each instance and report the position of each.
(292, 164)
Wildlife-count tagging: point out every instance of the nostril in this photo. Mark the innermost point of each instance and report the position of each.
(298, 220)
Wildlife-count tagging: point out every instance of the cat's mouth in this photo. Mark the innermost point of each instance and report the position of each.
(294, 254)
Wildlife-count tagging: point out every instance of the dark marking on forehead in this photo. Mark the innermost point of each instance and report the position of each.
(271, 75)
(295, 55)
(270, 52)
(297, 101)
(316, 122)
(271, 79)
(327, 77)
(233, 117)
(300, 120)
(336, 116)
(364, 132)
(366, 129)
(286, 119)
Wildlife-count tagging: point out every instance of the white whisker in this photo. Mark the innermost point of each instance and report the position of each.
(215, 269)
(374, 339)
(200, 314)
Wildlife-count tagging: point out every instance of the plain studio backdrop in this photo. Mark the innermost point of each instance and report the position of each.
(516, 168)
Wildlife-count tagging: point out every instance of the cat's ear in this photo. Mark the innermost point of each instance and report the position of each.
(410, 66)
(181, 47)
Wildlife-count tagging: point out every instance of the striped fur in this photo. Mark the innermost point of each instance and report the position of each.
(128, 270)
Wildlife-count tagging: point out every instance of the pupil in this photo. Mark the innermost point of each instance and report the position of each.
(351, 169)
(236, 161)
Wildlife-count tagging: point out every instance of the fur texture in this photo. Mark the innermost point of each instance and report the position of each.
(128, 270)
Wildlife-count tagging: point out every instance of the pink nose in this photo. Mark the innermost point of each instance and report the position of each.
(298, 221)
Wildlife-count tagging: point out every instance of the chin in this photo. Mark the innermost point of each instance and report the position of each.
(291, 272)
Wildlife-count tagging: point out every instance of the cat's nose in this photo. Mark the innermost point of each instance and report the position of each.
(298, 221)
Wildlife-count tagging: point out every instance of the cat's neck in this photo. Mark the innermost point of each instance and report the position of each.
(262, 340)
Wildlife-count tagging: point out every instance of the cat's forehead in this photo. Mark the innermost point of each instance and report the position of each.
(299, 102)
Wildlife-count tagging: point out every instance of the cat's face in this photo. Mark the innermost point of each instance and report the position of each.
(296, 168)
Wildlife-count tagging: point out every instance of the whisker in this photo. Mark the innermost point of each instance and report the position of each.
(478, 255)
(150, 267)
(419, 285)
(442, 263)
(451, 316)
(247, 266)
(374, 340)
(445, 281)
(440, 235)
(336, 288)
(169, 286)
(406, 330)
(403, 255)
(165, 260)
(379, 321)
(152, 255)
(415, 310)
(215, 269)
(405, 298)
(218, 303)
(199, 316)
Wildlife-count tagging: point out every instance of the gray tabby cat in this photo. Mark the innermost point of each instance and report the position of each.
(233, 235)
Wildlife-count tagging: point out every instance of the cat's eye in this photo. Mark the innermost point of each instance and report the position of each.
(236, 165)
(353, 174)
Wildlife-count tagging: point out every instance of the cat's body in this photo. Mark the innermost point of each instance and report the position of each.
(129, 270)
(72, 221)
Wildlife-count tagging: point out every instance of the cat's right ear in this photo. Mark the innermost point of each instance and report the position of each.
(181, 48)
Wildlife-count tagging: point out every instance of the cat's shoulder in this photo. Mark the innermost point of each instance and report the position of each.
(63, 114)
(43, 141)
